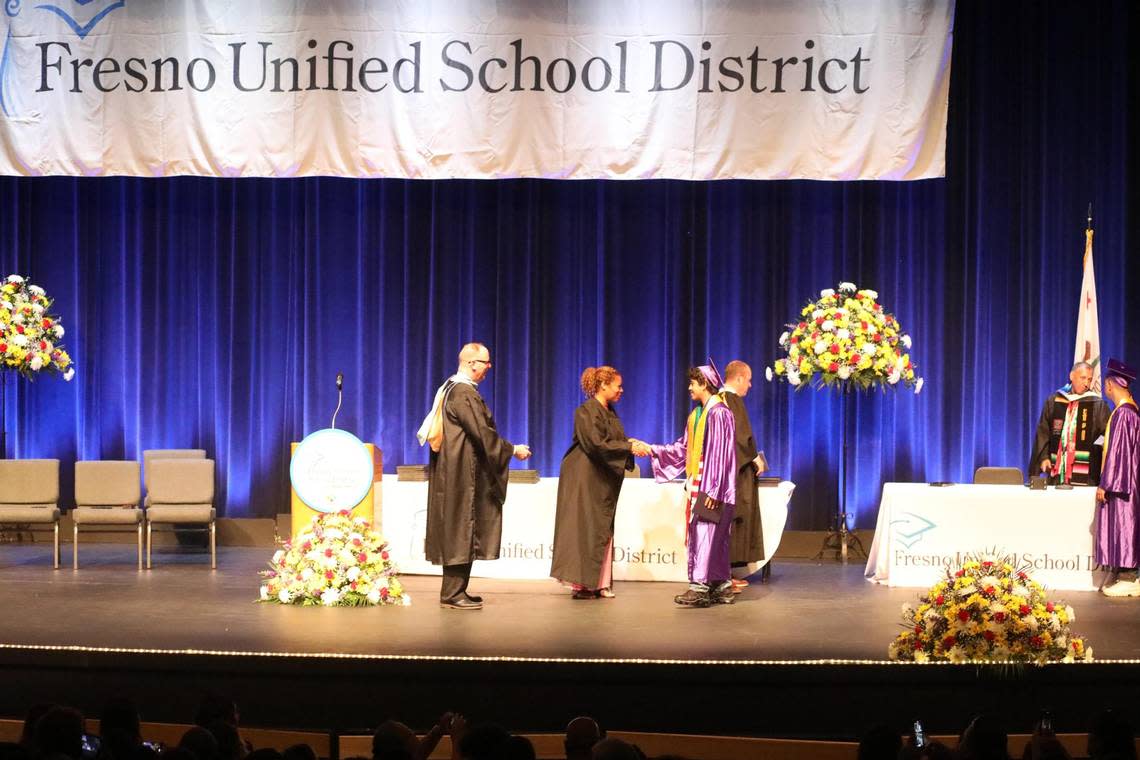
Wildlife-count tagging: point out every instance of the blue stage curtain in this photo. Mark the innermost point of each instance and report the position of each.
(216, 313)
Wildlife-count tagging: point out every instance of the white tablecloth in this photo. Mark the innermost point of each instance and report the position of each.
(649, 539)
(922, 529)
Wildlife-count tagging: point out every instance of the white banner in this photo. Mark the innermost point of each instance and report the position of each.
(677, 89)
(922, 531)
(649, 529)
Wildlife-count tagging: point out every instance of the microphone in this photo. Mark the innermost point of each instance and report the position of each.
(339, 397)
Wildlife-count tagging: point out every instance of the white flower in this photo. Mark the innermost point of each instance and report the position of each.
(768, 374)
(921, 656)
(330, 597)
(793, 378)
(36, 364)
(826, 292)
(893, 378)
(353, 573)
(827, 326)
(874, 296)
(15, 278)
(784, 338)
(307, 573)
(965, 591)
(1072, 615)
(38, 309)
(7, 305)
(817, 314)
(17, 319)
(905, 340)
(844, 372)
(278, 556)
(847, 287)
(956, 654)
(893, 651)
(820, 346)
(264, 593)
(918, 386)
(20, 340)
(35, 290)
(333, 533)
(843, 333)
(284, 596)
(374, 596)
(1019, 590)
(907, 610)
(69, 374)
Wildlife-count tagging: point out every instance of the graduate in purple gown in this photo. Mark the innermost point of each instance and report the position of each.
(1117, 541)
(706, 454)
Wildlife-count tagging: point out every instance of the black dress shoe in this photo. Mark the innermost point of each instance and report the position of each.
(473, 598)
(462, 603)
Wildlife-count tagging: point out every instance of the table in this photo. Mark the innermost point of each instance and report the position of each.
(923, 529)
(649, 538)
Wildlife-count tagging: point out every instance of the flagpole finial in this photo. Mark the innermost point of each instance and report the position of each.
(1090, 216)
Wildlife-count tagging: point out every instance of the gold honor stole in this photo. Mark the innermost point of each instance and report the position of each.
(695, 455)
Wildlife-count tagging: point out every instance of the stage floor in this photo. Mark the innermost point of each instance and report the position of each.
(816, 636)
(807, 612)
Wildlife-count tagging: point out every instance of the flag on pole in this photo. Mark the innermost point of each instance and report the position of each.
(1088, 328)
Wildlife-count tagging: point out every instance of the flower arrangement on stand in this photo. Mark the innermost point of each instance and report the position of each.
(29, 333)
(988, 611)
(338, 560)
(845, 339)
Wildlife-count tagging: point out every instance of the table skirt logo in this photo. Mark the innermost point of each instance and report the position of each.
(910, 528)
(80, 16)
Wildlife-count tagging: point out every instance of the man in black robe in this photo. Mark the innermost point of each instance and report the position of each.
(467, 479)
(747, 542)
(1065, 448)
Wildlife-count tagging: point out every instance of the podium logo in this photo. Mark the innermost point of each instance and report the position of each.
(81, 16)
(910, 528)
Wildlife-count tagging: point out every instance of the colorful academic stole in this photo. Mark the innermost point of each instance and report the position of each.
(1069, 461)
(695, 455)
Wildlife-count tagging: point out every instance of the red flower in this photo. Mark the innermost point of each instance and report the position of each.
(948, 642)
(834, 348)
(1076, 645)
(963, 615)
(20, 329)
(794, 340)
(307, 546)
(330, 574)
(939, 600)
(1037, 642)
(46, 324)
(917, 630)
(989, 590)
(362, 557)
(357, 542)
(352, 585)
(328, 553)
(864, 324)
(383, 593)
(1022, 575)
(999, 616)
(989, 635)
(1025, 610)
(987, 563)
(876, 338)
(383, 555)
(801, 325)
(855, 359)
(819, 320)
(1049, 607)
(917, 645)
(960, 573)
(3, 348)
(833, 367)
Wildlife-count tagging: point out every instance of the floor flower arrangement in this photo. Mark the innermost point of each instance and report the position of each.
(338, 560)
(988, 611)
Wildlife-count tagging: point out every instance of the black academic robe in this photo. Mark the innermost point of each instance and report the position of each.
(747, 542)
(1092, 417)
(589, 482)
(467, 482)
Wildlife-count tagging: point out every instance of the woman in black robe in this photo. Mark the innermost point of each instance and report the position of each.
(588, 485)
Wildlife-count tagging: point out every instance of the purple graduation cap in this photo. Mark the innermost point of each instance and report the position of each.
(711, 373)
(1120, 373)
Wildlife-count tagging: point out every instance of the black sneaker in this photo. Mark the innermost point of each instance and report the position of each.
(692, 598)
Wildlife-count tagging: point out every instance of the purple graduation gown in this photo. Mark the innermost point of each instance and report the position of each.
(1117, 543)
(708, 542)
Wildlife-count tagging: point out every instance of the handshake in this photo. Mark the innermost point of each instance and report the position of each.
(639, 448)
(521, 452)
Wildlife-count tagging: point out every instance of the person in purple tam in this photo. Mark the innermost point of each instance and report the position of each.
(1118, 518)
(706, 454)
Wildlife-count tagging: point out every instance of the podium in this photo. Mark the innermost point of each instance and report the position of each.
(370, 507)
